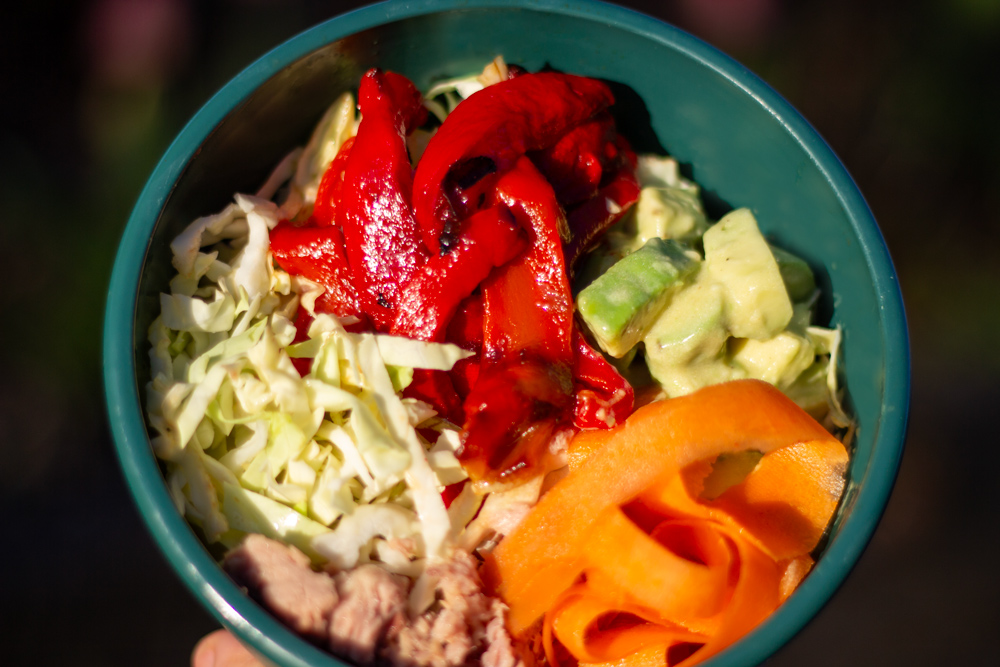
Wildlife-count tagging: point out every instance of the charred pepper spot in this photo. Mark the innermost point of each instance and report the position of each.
(469, 172)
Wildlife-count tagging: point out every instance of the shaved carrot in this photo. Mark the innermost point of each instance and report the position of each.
(650, 448)
(784, 505)
(628, 565)
(624, 558)
(580, 614)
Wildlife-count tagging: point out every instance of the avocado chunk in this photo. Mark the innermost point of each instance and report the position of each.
(690, 329)
(685, 347)
(798, 277)
(738, 256)
(669, 213)
(621, 305)
(779, 360)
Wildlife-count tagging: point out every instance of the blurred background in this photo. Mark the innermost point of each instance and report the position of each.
(906, 92)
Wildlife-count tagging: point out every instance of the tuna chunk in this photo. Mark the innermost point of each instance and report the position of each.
(279, 577)
(371, 600)
(500, 649)
(361, 613)
(461, 628)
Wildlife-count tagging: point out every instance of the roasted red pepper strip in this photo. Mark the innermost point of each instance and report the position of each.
(499, 123)
(488, 239)
(383, 244)
(511, 415)
(330, 186)
(317, 253)
(436, 389)
(302, 321)
(451, 492)
(466, 331)
(523, 393)
(603, 397)
(589, 220)
(528, 307)
(575, 165)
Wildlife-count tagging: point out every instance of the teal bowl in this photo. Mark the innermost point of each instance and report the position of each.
(740, 140)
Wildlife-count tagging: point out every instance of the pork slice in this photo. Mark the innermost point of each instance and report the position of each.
(280, 578)
(372, 601)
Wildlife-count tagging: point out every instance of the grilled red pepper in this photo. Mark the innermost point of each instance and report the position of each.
(435, 388)
(302, 321)
(589, 220)
(528, 307)
(383, 243)
(603, 398)
(488, 239)
(498, 124)
(524, 389)
(330, 186)
(576, 164)
(466, 331)
(512, 414)
(317, 253)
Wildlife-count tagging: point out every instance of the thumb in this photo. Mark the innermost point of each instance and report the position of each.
(220, 649)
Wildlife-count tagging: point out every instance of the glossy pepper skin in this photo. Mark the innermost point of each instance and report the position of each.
(380, 230)
(512, 413)
(466, 331)
(590, 219)
(602, 397)
(436, 389)
(500, 124)
(488, 239)
(331, 185)
(523, 392)
(576, 164)
(318, 253)
(528, 306)
(499, 285)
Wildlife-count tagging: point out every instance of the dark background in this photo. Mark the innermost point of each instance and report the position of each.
(907, 94)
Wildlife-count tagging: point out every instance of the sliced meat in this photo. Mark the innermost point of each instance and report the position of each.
(279, 577)
(371, 601)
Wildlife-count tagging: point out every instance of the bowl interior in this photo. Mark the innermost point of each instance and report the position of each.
(734, 135)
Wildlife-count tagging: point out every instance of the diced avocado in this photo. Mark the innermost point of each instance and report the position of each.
(685, 346)
(621, 305)
(596, 263)
(661, 171)
(690, 329)
(669, 213)
(737, 255)
(683, 379)
(779, 360)
(798, 277)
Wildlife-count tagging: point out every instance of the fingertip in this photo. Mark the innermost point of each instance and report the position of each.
(203, 654)
(221, 649)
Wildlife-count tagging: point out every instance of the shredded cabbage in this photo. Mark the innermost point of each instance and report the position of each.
(330, 462)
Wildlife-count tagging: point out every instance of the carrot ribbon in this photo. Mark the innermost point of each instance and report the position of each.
(626, 562)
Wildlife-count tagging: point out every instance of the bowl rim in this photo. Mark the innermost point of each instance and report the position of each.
(188, 556)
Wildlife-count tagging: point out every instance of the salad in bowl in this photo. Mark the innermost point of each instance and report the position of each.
(408, 368)
(457, 321)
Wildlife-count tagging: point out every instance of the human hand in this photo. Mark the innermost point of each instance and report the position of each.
(220, 649)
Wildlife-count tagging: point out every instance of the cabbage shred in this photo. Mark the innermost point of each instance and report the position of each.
(331, 462)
